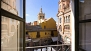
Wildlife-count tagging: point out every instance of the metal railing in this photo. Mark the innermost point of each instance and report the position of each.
(60, 47)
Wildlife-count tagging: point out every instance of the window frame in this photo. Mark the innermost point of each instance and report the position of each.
(67, 27)
(13, 16)
(77, 22)
(76, 28)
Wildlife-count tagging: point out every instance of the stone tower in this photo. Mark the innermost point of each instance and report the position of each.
(41, 17)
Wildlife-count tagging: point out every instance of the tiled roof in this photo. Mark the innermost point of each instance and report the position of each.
(33, 28)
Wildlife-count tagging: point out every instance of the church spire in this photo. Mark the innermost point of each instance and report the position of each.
(41, 10)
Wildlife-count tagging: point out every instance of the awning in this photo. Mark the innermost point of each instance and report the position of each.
(54, 39)
(35, 40)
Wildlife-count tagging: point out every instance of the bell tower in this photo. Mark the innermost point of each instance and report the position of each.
(41, 16)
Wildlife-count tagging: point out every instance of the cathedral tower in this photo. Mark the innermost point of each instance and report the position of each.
(41, 17)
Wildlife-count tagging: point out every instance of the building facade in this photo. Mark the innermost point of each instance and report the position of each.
(64, 20)
(35, 23)
(44, 29)
(43, 32)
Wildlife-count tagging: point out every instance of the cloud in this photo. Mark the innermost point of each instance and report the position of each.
(27, 14)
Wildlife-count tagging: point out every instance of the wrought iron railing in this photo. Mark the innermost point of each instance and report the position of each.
(60, 47)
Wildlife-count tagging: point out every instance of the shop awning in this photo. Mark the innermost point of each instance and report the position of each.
(54, 39)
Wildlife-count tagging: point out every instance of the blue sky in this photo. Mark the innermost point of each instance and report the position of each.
(49, 7)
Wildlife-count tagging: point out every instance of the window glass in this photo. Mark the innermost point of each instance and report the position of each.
(85, 36)
(13, 6)
(84, 10)
(60, 28)
(11, 29)
(85, 27)
(81, 0)
(66, 19)
(10, 35)
(69, 18)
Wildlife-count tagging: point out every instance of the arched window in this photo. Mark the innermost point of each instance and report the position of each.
(44, 27)
(45, 33)
(43, 17)
(59, 6)
(60, 28)
(64, 19)
(60, 20)
(68, 18)
(40, 16)
(63, 6)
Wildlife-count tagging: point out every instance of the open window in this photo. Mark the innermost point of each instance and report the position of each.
(13, 25)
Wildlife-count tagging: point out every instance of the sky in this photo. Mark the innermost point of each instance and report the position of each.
(19, 7)
(49, 7)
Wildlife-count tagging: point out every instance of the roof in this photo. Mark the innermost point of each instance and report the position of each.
(49, 19)
(36, 28)
(33, 28)
(41, 30)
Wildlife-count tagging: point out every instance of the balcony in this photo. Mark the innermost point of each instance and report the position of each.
(67, 10)
(60, 47)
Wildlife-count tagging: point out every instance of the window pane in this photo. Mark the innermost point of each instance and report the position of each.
(85, 36)
(85, 28)
(10, 35)
(68, 18)
(13, 6)
(84, 9)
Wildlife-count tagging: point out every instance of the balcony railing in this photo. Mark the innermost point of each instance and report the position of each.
(60, 47)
